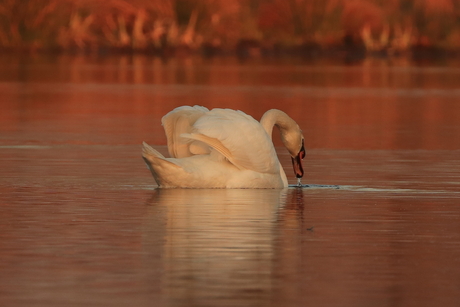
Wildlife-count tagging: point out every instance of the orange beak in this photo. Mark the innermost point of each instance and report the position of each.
(297, 162)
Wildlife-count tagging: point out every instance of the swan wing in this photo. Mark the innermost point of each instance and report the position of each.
(238, 137)
(180, 121)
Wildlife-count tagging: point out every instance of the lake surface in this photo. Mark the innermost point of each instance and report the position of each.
(81, 223)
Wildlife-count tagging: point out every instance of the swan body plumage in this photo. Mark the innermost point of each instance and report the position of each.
(223, 148)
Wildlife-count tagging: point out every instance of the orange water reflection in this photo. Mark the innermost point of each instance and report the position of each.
(82, 223)
(370, 106)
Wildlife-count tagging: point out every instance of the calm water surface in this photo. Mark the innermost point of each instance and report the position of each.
(81, 223)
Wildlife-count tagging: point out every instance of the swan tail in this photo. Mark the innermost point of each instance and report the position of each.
(154, 158)
(163, 170)
(148, 151)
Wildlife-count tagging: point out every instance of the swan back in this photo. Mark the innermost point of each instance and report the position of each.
(239, 138)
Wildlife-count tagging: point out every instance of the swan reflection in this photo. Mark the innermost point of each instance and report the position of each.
(218, 243)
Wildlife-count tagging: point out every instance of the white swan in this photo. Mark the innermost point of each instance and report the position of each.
(223, 148)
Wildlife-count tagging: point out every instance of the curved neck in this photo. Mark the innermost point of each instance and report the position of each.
(277, 118)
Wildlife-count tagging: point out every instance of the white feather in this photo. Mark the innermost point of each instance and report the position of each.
(221, 148)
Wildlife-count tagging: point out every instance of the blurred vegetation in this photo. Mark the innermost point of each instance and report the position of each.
(391, 26)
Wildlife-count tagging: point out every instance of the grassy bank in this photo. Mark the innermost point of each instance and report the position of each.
(219, 26)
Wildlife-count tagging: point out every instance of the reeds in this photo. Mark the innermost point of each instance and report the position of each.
(158, 25)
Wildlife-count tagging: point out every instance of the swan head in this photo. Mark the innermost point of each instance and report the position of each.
(294, 142)
(297, 162)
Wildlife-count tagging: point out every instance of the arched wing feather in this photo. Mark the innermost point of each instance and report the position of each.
(177, 122)
(239, 137)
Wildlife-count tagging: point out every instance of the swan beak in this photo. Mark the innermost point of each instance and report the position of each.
(297, 162)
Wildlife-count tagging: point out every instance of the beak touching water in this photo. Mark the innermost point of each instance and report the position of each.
(297, 162)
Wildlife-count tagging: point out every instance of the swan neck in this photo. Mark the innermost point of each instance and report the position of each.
(277, 118)
(268, 122)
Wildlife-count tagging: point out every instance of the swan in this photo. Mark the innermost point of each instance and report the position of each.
(224, 148)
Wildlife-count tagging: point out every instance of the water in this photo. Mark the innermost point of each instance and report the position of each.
(376, 222)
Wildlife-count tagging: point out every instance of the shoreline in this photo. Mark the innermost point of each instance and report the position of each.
(251, 50)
